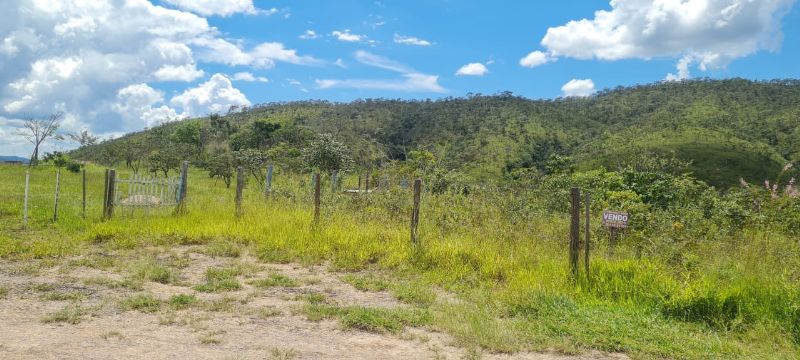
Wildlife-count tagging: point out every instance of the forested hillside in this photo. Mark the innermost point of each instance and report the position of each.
(719, 130)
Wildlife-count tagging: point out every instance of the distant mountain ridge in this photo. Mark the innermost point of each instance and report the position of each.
(13, 158)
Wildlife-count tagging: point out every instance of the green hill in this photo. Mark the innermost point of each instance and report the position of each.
(727, 128)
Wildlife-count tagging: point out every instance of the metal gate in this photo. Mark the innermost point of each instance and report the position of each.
(146, 191)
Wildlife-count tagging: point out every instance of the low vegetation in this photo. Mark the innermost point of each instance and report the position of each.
(708, 267)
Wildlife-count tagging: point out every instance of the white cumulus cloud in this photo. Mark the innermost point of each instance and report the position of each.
(472, 69)
(708, 33)
(186, 72)
(140, 103)
(216, 7)
(535, 58)
(78, 56)
(578, 87)
(214, 96)
(263, 55)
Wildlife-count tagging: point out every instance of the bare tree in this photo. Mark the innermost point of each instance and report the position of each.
(83, 138)
(36, 131)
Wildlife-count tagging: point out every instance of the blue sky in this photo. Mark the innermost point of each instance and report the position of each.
(114, 66)
(463, 32)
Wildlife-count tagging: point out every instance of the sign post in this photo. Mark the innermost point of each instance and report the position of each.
(614, 221)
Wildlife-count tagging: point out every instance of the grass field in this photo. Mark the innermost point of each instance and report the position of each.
(490, 270)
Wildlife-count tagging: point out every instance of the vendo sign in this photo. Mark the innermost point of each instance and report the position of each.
(615, 219)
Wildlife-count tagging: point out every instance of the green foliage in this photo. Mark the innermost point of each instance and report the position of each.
(62, 160)
(718, 130)
(325, 154)
(252, 162)
(258, 135)
(220, 165)
(168, 158)
(188, 132)
(420, 162)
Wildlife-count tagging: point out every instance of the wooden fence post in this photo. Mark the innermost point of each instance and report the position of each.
(587, 235)
(112, 180)
(334, 174)
(83, 193)
(239, 188)
(25, 202)
(415, 210)
(183, 186)
(105, 195)
(55, 197)
(268, 188)
(359, 183)
(366, 183)
(317, 193)
(574, 230)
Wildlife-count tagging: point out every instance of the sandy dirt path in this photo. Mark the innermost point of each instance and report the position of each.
(249, 323)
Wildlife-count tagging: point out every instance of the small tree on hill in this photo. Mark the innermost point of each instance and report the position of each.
(326, 155)
(252, 161)
(83, 138)
(220, 165)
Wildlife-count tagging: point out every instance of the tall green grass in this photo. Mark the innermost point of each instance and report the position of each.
(500, 254)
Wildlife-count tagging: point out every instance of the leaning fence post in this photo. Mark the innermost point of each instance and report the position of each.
(239, 187)
(112, 180)
(55, 197)
(574, 230)
(268, 187)
(182, 189)
(25, 202)
(415, 210)
(317, 191)
(83, 193)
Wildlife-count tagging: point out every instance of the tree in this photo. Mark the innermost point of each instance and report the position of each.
(133, 151)
(61, 160)
(83, 138)
(326, 155)
(420, 161)
(36, 131)
(220, 165)
(252, 161)
(164, 160)
(258, 135)
(188, 132)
